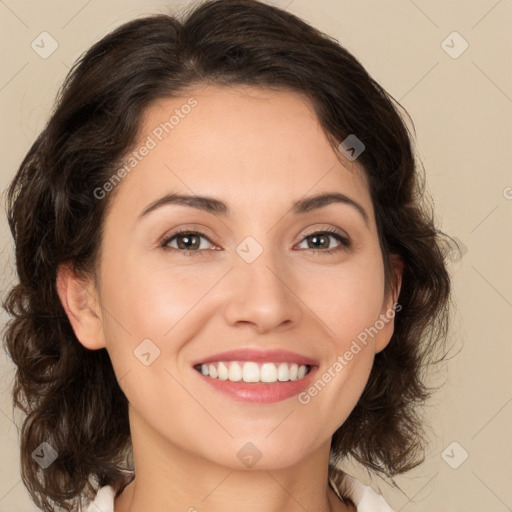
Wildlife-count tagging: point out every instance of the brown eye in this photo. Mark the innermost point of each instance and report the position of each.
(187, 241)
(323, 240)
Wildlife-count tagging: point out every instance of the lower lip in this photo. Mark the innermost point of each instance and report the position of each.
(264, 392)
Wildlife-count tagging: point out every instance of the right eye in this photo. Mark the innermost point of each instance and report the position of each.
(186, 241)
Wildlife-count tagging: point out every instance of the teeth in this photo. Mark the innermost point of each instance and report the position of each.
(268, 372)
(212, 371)
(249, 371)
(294, 370)
(234, 372)
(283, 373)
(222, 371)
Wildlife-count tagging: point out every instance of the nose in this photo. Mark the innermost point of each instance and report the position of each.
(261, 295)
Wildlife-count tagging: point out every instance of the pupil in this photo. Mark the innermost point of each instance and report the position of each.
(187, 241)
(316, 239)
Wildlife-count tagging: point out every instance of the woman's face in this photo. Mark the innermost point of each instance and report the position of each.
(260, 275)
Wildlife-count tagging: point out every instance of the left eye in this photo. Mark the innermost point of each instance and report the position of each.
(321, 239)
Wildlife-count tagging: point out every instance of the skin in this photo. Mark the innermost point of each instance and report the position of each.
(258, 151)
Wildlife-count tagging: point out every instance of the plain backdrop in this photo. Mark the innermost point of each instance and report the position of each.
(448, 63)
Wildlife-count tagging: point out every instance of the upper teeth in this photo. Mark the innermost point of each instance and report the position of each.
(254, 372)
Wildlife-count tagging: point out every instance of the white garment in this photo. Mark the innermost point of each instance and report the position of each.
(364, 497)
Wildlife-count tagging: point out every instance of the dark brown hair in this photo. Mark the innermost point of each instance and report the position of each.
(70, 394)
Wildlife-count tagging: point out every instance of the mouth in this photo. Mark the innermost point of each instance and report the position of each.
(258, 376)
(253, 371)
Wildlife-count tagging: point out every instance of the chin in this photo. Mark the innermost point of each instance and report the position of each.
(258, 453)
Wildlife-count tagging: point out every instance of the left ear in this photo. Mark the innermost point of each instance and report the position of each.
(387, 314)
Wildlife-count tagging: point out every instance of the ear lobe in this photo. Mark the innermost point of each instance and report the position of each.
(79, 299)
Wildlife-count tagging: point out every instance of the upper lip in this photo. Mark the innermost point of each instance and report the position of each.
(259, 356)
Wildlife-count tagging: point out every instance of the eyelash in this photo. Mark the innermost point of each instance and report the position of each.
(345, 242)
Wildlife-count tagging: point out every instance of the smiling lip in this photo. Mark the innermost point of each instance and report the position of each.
(258, 356)
(260, 392)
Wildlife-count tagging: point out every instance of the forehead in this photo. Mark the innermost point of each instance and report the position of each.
(249, 146)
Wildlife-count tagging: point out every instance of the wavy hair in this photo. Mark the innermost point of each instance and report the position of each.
(69, 395)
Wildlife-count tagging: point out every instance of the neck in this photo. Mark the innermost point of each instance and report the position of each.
(173, 479)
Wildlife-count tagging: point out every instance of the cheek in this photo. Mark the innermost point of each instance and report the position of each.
(348, 302)
(158, 303)
(149, 300)
(347, 298)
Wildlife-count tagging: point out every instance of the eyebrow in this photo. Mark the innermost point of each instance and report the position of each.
(217, 207)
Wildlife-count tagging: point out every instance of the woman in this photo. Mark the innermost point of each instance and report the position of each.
(228, 283)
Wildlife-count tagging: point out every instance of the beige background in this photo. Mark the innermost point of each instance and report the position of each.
(462, 109)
